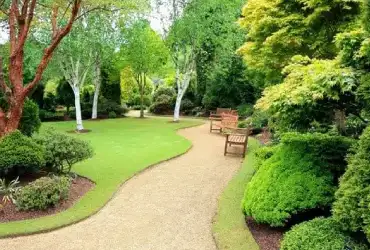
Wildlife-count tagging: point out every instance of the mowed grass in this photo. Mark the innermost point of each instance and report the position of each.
(229, 228)
(123, 147)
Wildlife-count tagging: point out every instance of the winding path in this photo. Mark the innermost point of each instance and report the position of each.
(170, 206)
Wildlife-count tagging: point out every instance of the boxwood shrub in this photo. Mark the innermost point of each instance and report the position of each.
(43, 193)
(352, 206)
(20, 155)
(297, 177)
(319, 234)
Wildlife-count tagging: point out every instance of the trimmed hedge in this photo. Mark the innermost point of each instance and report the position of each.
(319, 234)
(20, 155)
(352, 206)
(298, 176)
(43, 193)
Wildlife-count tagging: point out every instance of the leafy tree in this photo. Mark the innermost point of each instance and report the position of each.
(144, 51)
(278, 30)
(64, 94)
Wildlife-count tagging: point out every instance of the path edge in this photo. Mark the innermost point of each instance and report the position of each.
(114, 194)
(229, 229)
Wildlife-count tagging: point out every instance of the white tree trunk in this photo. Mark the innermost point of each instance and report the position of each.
(97, 83)
(76, 90)
(182, 87)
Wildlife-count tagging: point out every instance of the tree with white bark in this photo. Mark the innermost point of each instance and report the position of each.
(181, 36)
(75, 60)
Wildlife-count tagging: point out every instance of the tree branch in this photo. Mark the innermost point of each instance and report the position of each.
(49, 50)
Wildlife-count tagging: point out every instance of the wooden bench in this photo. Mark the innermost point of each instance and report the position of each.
(237, 136)
(219, 112)
(226, 120)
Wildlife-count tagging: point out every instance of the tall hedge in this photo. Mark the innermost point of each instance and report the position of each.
(300, 175)
(30, 121)
(352, 206)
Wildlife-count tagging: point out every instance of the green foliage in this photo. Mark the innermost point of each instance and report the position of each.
(43, 193)
(319, 234)
(258, 120)
(299, 176)
(64, 94)
(63, 151)
(245, 110)
(164, 104)
(312, 91)
(112, 115)
(30, 121)
(20, 155)
(262, 154)
(352, 206)
(187, 106)
(111, 86)
(163, 91)
(278, 30)
(8, 190)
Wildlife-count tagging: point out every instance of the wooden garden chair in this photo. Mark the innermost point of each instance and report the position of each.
(219, 112)
(238, 137)
(227, 120)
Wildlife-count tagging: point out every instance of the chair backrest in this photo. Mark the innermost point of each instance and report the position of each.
(229, 120)
(221, 111)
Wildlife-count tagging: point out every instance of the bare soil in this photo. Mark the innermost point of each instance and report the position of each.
(79, 187)
(267, 238)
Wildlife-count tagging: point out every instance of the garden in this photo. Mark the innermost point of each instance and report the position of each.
(293, 75)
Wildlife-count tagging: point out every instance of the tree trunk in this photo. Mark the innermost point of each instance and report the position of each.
(143, 83)
(79, 124)
(182, 87)
(340, 120)
(15, 115)
(97, 83)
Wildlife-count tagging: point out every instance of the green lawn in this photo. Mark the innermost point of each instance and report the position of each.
(229, 227)
(123, 147)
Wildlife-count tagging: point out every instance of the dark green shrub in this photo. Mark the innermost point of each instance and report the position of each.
(50, 102)
(187, 106)
(319, 234)
(352, 206)
(258, 119)
(296, 178)
(245, 110)
(20, 155)
(43, 193)
(106, 106)
(162, 105)
(30, 121)
(112, 115)
(243, 124)
(63, 151)
(147, 101)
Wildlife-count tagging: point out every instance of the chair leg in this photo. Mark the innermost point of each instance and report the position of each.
(225, 151)
(210, 127)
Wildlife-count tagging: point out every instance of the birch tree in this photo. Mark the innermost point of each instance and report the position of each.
(75, 60)
(181, 39)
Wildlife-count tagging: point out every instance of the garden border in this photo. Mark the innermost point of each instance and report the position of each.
(72, 222)
(229, 228)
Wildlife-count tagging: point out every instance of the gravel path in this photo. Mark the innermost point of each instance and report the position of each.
(170, 206)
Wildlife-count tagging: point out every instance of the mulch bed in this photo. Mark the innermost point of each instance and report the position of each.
(80, 186)
(267, 238)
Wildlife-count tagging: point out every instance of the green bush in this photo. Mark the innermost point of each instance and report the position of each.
(147, 101)
(164, 91)
(112, 115)
(262, 154)
(162, 105)
(43, 193)
(20, 155)
(187, 106)
(30, 121)
(245, 110)
(352, 206)
(319, 234)
(63, 151)
(296, 178)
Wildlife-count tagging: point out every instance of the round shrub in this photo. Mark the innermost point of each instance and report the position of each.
(164, 91)
(298, 177)
(187, 106)
(43, 193)
(162, 105)
(63, 151)
(245, 110)
(20, 155)
(319, 234)
(112, 115)
(352, 206)
(30, 121)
